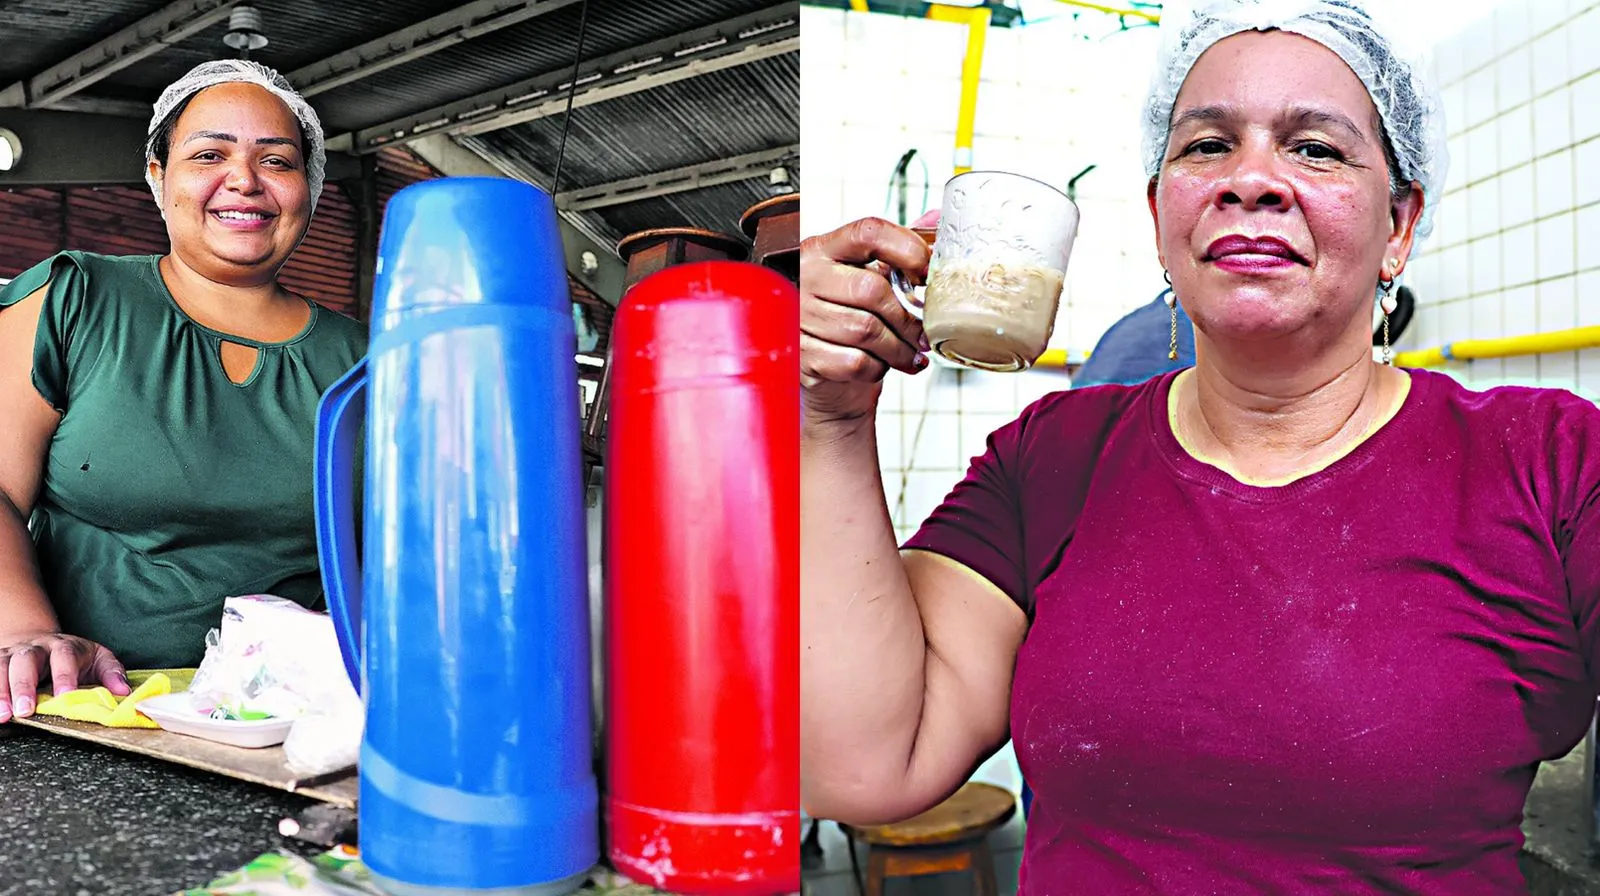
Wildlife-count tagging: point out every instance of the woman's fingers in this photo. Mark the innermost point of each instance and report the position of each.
(837, 284)
(826, 362)
(22, 675)
(852, 327)
(874, 239)
(107, 670)
(847, 327)
(64, 659)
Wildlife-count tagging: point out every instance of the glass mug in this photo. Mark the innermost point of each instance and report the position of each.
(999, 261)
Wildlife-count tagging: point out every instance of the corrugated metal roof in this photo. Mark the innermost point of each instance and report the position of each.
(304, 31)
(715, 116)
(535, 47)
(714, 208)
(717, 207)
(298, 32)
(36, 34)
(712, 116)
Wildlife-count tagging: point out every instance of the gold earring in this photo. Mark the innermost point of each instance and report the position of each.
(1171, 299)
(1388, 303)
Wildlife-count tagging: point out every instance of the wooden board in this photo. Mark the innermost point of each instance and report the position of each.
(266, 766)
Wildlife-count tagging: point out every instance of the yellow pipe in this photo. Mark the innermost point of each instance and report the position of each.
(1052, 357)
(1060, 359)
(1466, 350)
(1150, 17)
(1504, 347)
(1424, 357)
(859, 6)
(976, 19)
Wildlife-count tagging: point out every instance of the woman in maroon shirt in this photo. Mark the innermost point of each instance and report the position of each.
(1289, 621)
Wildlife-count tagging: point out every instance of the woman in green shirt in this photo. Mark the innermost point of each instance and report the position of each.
(157, 413)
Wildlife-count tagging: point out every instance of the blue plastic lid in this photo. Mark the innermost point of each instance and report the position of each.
(468, 241)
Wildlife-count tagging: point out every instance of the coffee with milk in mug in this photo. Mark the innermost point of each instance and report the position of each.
(999, 262)
(991, 315)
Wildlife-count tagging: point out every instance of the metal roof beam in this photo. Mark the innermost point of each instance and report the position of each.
(772, 31)
(415, 41)
(141, 40)
(60, 148)
(100, 105)
(748, 166)
(589, 258)
(82, 148)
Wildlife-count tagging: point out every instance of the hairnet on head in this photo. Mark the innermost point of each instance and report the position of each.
(228, 71)
(1394, 76)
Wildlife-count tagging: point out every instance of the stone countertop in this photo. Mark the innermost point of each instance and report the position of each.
(77, 818)
(81, 819)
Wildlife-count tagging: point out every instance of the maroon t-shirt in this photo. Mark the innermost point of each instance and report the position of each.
(1341, 685)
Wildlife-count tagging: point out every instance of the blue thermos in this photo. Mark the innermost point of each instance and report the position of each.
(465, 624)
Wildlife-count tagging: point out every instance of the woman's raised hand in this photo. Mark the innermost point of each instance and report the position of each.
(852, 329)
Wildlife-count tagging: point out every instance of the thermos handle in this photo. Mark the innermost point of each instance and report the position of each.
(338, 432)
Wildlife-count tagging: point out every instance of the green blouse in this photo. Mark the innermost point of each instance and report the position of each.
(169, 487)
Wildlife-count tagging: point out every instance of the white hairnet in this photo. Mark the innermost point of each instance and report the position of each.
(226, 71)
(1395, 77)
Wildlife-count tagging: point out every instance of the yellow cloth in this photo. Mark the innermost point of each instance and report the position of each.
(99, 705)
(180, 678)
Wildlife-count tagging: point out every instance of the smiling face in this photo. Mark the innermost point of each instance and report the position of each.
(1273, 206)
(234, 188)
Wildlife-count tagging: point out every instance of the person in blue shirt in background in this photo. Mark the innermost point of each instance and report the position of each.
(1135, 348)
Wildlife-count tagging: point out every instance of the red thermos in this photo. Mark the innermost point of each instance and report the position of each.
(702, 582)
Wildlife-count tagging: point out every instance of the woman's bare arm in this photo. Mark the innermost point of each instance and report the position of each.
(27, 423)
(31, 648)
(906, 660)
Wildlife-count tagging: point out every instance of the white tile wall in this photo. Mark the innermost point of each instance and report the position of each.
(1516, 249)
(1050, 104)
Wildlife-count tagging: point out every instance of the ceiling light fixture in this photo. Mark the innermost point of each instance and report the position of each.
(245, 30)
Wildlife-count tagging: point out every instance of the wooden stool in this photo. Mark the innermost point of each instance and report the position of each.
(952, 836)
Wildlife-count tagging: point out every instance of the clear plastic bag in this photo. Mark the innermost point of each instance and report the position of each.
(238, 682)
(273, 658)
(325, 739)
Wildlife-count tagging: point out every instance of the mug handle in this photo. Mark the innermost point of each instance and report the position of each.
(905, 293)
(340, 415)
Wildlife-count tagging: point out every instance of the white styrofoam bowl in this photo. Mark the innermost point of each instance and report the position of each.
(173, 712)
